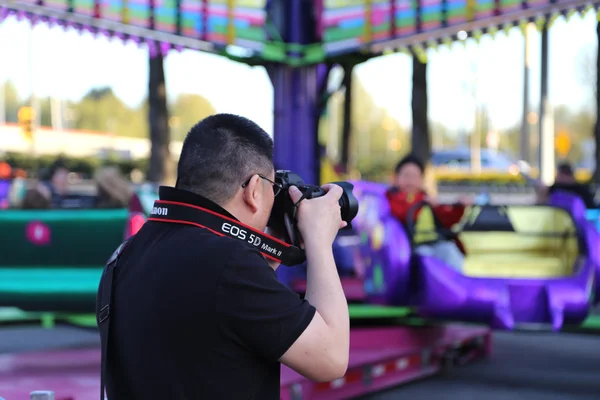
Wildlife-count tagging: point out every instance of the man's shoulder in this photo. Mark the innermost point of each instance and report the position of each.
(203, 242)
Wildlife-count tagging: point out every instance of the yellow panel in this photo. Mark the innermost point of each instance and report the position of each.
(540, 219)
(544, 245)
(515, 265)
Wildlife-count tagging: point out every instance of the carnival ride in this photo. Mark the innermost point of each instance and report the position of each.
(525, 265)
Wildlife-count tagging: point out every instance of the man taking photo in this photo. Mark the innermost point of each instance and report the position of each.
(195, 315)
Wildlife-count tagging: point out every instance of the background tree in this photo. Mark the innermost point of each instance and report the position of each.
(12, 102)
(161, 166)
(100, 110)
(186, 111)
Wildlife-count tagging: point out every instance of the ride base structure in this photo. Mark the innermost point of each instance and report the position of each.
(57, 286)
(381, 357)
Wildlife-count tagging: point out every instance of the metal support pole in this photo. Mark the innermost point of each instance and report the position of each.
(36, 118)
(524, 139)
(545, 125)
(347, 126)
(2, 101)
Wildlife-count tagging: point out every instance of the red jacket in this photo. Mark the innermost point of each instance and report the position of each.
(400, 204)
(448, 215)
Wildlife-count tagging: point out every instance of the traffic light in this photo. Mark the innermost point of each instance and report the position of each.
(26, 119)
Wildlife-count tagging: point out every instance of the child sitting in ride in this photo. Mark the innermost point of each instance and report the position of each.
(407, 191)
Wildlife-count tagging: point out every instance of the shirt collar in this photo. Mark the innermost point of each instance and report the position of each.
(185, 196)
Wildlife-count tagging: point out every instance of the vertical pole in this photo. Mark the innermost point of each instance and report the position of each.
(596, 177)
(294, 120)
(2, 101)
(524, 139)
(476, 134)
(2, 81)
(333, 133)
(545, 125)
(420, 140)
(161, 164)
(36, 118)
(347, 126)
(296, 92)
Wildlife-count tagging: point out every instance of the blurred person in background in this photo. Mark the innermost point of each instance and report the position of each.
(565, 181)
(37, 198)
(114, 190)
(57, 182)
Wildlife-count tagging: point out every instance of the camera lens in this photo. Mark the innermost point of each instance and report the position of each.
(348, 202)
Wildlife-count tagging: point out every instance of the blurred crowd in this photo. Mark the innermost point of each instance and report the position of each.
(52, 191)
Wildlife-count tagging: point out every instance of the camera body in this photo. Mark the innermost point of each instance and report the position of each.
(282, 219)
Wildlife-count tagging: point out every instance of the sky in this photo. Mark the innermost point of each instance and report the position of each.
(67, 64)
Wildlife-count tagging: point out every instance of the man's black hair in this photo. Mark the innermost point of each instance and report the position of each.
(220, 153)
(564, 168)
(410, 159)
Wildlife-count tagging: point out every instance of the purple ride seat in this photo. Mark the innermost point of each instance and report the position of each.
(504, 302)
(385, 249)
(576, 207)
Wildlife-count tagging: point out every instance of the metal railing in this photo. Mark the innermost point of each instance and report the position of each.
(41, 395)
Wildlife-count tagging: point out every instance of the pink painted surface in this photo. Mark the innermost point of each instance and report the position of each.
(353, 288)
(380, 347)
(74, 374)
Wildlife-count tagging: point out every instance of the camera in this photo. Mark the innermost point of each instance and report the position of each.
(282, 219)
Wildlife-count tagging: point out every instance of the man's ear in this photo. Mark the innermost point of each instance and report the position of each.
(251, 192)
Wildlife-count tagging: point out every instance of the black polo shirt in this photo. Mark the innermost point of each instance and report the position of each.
(197, 316)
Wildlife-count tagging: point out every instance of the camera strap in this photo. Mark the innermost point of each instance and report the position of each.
(188, 214)
(104, 305)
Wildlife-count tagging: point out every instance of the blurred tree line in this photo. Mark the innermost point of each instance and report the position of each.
(101, 110)
(378, 141)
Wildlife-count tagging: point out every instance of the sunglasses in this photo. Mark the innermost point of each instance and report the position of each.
(277, 188)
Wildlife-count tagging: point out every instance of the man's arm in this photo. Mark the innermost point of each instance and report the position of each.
(321, 352)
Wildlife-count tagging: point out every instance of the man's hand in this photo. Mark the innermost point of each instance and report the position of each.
(320, 219)
(465, 200)
(433, 201)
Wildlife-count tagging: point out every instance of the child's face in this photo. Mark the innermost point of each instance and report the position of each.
(409, 179)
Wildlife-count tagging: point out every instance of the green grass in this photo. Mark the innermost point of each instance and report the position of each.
(357, 312)
(361, 311)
